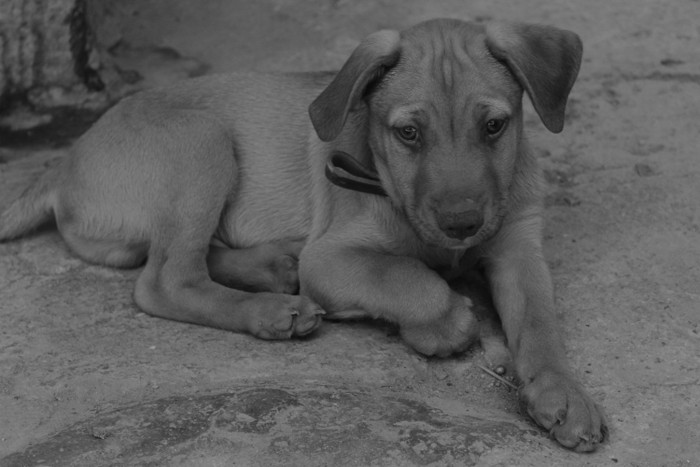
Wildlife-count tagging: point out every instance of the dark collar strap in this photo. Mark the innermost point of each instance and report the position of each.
(347, 172)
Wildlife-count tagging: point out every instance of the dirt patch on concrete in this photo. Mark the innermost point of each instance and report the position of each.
(269, 425)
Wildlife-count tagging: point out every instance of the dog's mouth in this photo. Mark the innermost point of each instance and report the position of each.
(424, 224)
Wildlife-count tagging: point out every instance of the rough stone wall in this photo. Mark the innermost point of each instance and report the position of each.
(45, 48)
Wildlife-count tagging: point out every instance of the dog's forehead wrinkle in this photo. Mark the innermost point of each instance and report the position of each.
(462, 71)
(492, 106)
(408, 113)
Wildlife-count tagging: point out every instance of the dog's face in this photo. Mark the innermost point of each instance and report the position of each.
(445, 126)
(444, 108)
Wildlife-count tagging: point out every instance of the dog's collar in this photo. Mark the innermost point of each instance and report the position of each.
(347, 172)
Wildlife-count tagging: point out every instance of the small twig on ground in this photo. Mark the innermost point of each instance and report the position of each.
(498, 377)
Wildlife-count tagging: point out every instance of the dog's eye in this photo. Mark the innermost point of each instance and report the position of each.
(408, 133)
(495, 126)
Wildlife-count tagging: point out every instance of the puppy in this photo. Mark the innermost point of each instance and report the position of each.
(408, 164)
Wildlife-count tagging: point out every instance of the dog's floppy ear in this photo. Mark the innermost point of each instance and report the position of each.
(545, 60)
(330, 109)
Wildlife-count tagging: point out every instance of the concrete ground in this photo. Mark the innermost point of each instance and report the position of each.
(87, 379)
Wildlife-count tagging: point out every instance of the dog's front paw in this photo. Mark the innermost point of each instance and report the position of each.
(279, 316)
(560, 405)
(451, 333)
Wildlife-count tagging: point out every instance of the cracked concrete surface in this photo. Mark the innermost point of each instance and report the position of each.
(87, 379)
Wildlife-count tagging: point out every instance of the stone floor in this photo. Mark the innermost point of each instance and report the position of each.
(87, 379)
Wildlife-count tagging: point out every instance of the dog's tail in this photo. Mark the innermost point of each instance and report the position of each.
(26, 196)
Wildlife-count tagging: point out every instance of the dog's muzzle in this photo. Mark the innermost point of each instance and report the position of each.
(460, 225)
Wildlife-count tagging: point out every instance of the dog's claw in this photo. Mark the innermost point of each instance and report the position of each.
(282, 316)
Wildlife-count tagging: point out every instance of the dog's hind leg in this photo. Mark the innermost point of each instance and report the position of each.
(114, 253)
(99, 238)
(176, 283)
(269, 267)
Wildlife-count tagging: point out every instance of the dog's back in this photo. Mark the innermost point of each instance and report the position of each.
(123, 167)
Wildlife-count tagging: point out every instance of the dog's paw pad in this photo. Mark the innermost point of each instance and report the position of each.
(286, 276)
(497, 354)
(562, 407)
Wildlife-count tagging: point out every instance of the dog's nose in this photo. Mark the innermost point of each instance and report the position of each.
(460, 225)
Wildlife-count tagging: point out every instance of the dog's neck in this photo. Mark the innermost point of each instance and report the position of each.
(345, 171)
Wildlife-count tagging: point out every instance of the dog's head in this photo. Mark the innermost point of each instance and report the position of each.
(444, 109)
